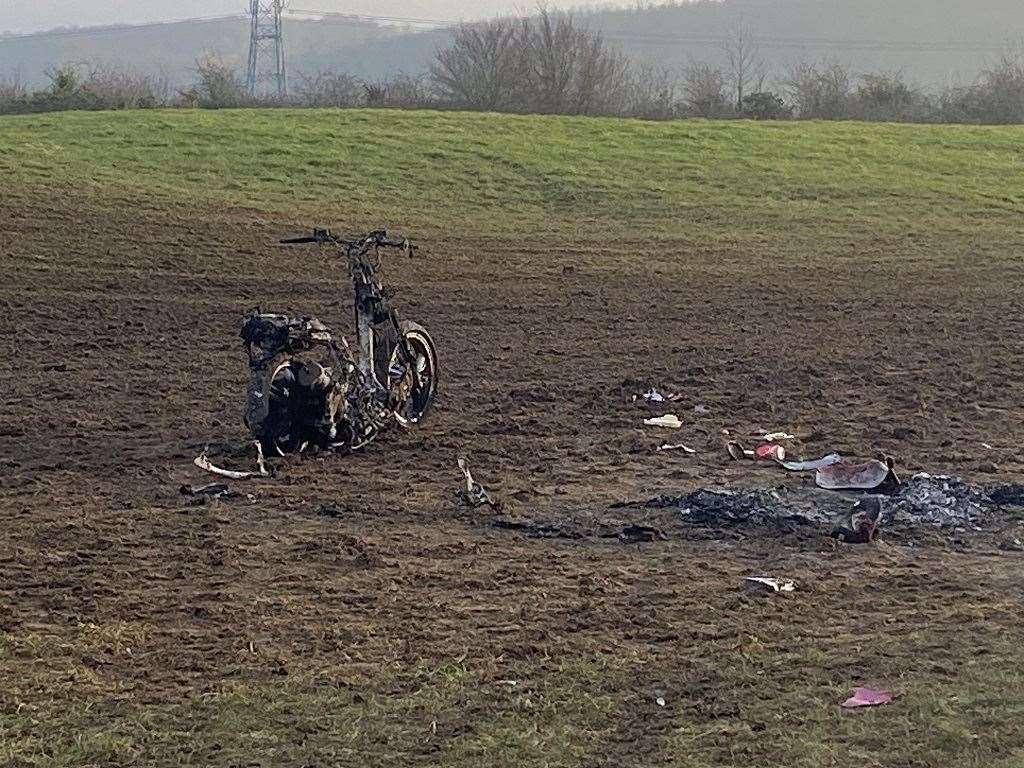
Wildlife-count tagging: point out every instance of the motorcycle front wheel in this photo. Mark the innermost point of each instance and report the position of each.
(425, 374)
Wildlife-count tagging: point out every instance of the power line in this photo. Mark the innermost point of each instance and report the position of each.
(116, 28)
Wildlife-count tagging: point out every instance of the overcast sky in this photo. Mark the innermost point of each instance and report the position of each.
(33, 15)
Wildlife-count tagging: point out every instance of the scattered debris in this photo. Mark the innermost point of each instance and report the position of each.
(853, 475)
(1007, 495)
(774, 437)
(633, 534)
(943, 501)
(867, 697)
(204, 463)
(721, 507)
(509, 683)
(738, 452)
(860, 525)
(701, 408)
(654, 396)
(475, 495)
(668, 421)
(330, 509)
(807, 466)
(213, 490)
(676, 447)
(771, 451)
(1012, 545)
(764, 584)
(660, 701)
(536, 530)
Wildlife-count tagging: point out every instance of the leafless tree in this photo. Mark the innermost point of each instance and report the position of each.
(547, 63)
(820, 91)
(704, 91)
(998, 96)
(653, 94)
(600, 77)
(13, 95)
(400, 90)
(745, 67)
(330, 89)
(218, 84)
(484, 67)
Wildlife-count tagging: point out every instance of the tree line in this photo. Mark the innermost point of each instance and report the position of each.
(552, 64)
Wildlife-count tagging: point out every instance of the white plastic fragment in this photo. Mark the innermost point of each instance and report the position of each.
(204, 463)
(676, 447)
(775, 585)
(668, 421)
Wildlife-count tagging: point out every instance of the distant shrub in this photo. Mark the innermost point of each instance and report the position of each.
(765, 105)
(820, 91)
(653, 94)
(400, 91)
(887, 97)
(217, 85)
(12, 96)
(73, 88)
(330, 89)
(996, 98)
(704, 92)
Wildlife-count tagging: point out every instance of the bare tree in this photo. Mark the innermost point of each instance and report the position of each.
(820, 91)
(484, 66)
(330, 89)
(13, 95)
(998, 95)
(571, 70)
(551, 56)
(218, 84)
(745, 67)
(653, 93)
(547, 63)
(601, 77)
(704, 91)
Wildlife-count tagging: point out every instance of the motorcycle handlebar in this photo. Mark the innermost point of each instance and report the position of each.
(377, 239)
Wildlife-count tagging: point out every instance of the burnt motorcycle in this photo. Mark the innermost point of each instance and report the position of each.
(308, 390)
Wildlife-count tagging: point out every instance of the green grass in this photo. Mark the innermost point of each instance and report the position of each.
(574, 177)
(565, 713)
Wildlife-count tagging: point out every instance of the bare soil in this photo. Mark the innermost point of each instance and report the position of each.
(123, 363)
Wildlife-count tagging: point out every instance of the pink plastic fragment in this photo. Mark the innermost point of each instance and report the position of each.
(867, 697)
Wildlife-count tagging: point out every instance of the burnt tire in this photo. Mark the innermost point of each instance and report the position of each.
(427, 374)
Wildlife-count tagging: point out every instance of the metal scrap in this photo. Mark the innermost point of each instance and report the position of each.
(771, 585)
(860, 524)
(807, 466)
(475, 495)
(204, 463)
(676, 447)
(213, 490)
(853, 475)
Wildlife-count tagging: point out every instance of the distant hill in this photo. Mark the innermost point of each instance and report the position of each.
(170, 50)
(934, 42)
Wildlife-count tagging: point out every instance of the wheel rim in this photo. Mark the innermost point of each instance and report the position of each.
(280, 381)
(425, 377)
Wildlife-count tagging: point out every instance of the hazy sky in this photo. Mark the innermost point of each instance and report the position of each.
(32, 15)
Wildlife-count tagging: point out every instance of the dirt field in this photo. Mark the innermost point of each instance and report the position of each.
(138, 628)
